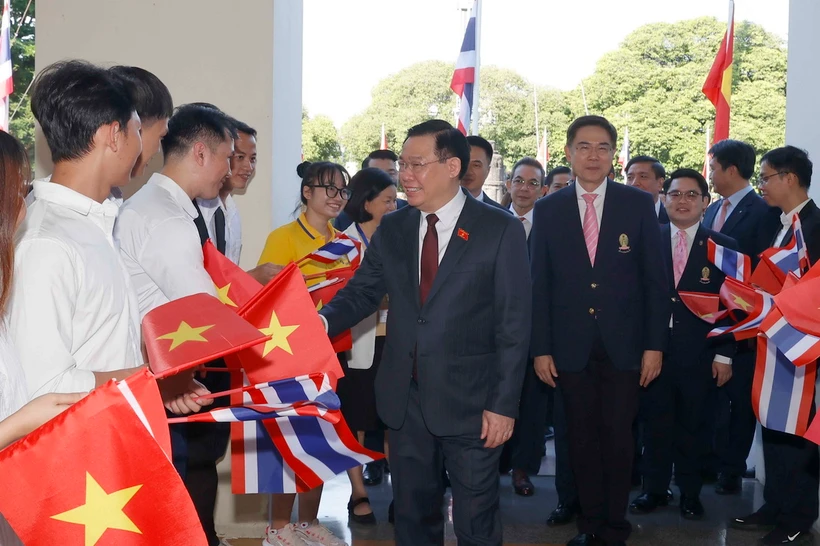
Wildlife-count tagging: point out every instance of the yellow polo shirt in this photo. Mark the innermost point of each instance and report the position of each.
(295, 240)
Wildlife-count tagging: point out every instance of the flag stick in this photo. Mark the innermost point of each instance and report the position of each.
(474, 128)
(584, 96)
(535, 105)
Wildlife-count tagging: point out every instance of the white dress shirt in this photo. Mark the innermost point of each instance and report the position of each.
(160, 244)
(73, 309)
(527, 219)
(13, 390)
(786, 223)
(233, 224)
(598, 203)
(364, 333)
(734, 199)
(447, 218)
(658, 205)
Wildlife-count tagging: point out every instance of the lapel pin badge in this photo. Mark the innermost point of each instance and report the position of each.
(704, 276)
(623, 240)
(463, 234)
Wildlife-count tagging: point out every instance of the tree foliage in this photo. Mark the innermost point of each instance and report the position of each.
(22, 59)
(651, 84)
(320, 139)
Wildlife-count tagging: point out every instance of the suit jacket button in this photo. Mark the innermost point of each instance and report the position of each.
(591, 311)
(594, 285)
(674, 299)
(421, 321)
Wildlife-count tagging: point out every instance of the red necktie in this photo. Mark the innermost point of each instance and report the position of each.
(429, 258)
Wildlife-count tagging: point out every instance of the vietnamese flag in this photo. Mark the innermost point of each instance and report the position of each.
(298, 343)
(194, 330)
(234, 287)
(322, 293)
(800, 304)
(767, 276)
(718, 85)
(703, 305)
(96, 475)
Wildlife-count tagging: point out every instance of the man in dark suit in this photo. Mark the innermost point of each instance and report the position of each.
(481, 156)
(675, 405)
(647, 173)
(744, 216)
(790, 495)
(458, 334)
(386, 161)
(602, 328)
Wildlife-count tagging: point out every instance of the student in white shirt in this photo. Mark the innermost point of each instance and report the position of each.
(162, 252)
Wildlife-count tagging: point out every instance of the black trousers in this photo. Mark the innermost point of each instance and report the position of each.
(675, 407)
(527, 440)
(417, 458)
(792, 468)
(564, 478)
(734, 435)
(601, 403)
(206, 444)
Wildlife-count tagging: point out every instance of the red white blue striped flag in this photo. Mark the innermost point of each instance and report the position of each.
(6, 83)
(733, 263)
(340, 247)
(464, 79)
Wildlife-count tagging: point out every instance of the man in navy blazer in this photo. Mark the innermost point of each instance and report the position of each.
(600, 320)
(481, 156)
(456, 272)
(647, 173)
(677, 403)
(742, 215)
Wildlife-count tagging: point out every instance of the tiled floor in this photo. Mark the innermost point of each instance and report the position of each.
(524, 518)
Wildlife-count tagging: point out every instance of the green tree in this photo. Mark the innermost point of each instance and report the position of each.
(22, 59)
(320, 139)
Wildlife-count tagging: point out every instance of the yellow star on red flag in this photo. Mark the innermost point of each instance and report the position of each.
(279, 335)
(185, 333)
(223, 295)
(742, 303)
(101, 511)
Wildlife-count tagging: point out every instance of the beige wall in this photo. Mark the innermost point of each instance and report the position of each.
(204, 50)
(187, 44)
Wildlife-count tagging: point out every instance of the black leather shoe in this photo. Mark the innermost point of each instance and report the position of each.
(756, 521)
(728, 484)
(522, 484)
(646, 503)
(373, 473)
(691, 507)
(669, 495)
(563, 514)
(585, 539)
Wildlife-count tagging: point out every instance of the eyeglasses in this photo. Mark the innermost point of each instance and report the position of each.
(676, 195)
(333, 191)
(761, 180)
(521, 182)
(417, 166)
(587, 149)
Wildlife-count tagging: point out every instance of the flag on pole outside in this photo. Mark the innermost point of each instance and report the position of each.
(464, 77)
(6, 83)
(543, 155)
(383, 142)
(718, 84)
(623, 158)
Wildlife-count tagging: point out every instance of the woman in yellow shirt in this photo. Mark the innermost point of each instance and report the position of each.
(324, 194)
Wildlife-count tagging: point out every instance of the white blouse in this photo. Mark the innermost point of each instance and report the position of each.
(13, 392)
(363, 334)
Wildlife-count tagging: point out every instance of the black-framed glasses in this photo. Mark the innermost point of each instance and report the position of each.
(332, 191)
(761, 180)
(676, 195)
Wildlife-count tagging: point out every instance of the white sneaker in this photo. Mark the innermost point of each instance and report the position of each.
(316, 534)
(287, 536)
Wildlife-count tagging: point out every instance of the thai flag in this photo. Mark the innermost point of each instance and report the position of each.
(340, 247)
(791, 258)
(731, 262)
(6, 81)
(464, 77)
(801, 349)
(782, 394)
(292, 454)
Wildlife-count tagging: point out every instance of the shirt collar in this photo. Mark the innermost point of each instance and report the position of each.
(527, 216)
(691, 231)
(738, 196)
(303, 222)
(600, 191)
(449, 212)
(786, 219)
(66, 197)
(658, 206)
(177, 193)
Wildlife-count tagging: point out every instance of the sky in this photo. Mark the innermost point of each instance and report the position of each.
(350, 45)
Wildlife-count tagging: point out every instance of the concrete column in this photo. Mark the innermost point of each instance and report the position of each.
(236, 56)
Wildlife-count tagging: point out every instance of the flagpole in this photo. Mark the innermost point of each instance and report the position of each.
(584, 95)
(537, 130)
(474, 127)
(729, 25)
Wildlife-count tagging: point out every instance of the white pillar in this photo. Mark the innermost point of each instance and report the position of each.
(803, 80)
